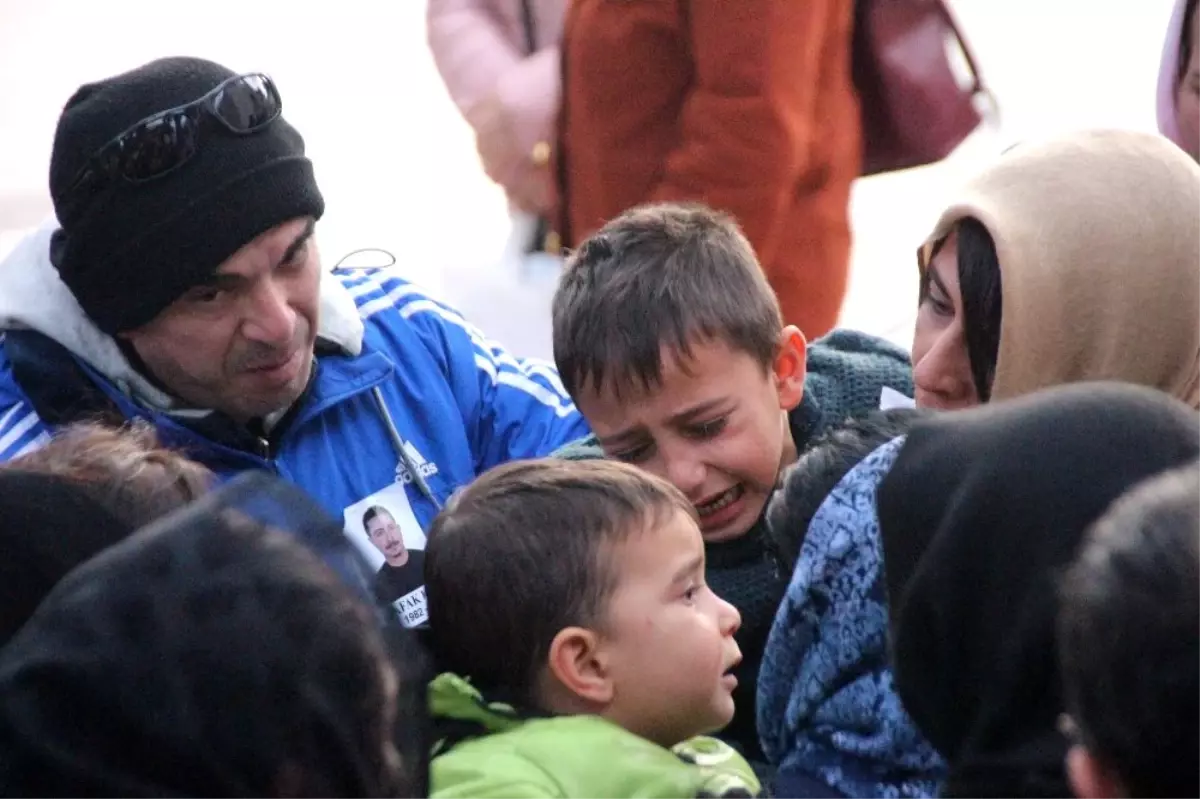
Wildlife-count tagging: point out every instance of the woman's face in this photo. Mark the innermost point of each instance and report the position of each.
(1187, 94)
(941, 367)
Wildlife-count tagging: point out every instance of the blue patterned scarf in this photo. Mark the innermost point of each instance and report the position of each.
(828, 713)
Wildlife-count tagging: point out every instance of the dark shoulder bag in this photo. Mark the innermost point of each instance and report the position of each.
(915, 107)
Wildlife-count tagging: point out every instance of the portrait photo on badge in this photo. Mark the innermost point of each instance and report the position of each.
(384, 528)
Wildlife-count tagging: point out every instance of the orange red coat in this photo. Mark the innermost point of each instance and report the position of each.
(745, 105)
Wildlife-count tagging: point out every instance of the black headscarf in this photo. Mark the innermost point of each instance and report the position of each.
(980, 514)
(48, 526)
(213, 655)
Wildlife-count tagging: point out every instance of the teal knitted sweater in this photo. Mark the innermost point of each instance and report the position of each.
(846, 372)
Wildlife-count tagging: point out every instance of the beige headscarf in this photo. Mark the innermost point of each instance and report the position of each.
(1098, 239)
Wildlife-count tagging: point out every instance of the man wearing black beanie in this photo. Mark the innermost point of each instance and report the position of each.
(182, 285)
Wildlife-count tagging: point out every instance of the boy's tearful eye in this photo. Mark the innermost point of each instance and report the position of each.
(709, 429)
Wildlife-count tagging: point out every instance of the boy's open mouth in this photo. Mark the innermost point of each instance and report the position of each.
(720, 501)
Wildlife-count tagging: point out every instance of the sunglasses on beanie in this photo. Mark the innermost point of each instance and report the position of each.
(166, 140)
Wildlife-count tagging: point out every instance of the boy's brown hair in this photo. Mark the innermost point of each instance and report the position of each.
(125, 469)
(525, 551)
(659, 275)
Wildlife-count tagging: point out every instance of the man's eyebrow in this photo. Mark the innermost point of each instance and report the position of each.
(220, 281)
(299, 242)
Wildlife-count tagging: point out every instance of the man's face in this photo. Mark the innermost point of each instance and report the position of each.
(385, 535)
(242, 343)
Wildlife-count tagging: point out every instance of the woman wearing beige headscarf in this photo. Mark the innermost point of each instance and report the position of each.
(1076, 258)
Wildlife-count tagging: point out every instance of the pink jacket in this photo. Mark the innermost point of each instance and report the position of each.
(509, 97)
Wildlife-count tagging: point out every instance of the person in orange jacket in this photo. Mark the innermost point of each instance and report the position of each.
(747, 107)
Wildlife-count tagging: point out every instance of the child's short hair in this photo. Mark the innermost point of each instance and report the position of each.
(1127, 636)
(659, 275)
(821, 466)
(526, 551)
(125, 468)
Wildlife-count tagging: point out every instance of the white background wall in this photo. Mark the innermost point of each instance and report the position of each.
(397, 165)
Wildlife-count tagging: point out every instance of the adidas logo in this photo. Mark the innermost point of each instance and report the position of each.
(426, 469)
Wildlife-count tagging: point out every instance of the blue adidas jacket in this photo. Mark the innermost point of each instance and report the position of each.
(426, 403)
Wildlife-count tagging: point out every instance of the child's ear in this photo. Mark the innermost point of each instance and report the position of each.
(790, 366)
(577, 662)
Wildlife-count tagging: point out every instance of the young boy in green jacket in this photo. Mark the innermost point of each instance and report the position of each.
(584, 651)
(669, 340)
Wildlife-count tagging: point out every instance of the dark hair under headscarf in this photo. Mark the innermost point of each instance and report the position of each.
(48, 525)
(981, 512)
(213, 655)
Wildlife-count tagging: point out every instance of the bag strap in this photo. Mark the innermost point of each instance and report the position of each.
(968, 53)
(528, 26)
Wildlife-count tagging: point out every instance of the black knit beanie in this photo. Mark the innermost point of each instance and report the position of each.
(128, 250)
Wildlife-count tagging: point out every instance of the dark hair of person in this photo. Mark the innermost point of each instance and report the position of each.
(820, 467)
(1185, 42)
(1128, 637)
(982, 304)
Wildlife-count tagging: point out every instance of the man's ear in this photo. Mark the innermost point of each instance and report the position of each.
(577, 662)
(790, 367)
(1091, 779)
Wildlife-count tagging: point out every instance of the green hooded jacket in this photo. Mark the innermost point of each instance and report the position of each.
(500, 753)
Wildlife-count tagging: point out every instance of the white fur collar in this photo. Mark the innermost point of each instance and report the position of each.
(33, 296)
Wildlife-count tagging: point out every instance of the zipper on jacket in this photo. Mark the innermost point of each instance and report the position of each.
(402, 451)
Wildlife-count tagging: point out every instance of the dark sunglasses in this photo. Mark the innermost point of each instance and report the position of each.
(165, 141)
